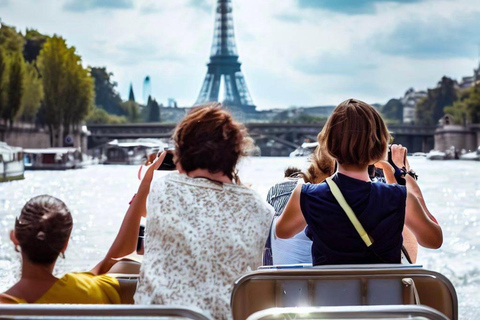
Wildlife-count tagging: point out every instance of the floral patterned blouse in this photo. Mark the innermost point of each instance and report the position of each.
(201, 236)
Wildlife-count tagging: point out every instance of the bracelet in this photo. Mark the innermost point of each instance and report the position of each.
(410, 172)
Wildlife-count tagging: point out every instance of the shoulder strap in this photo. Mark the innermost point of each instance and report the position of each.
(348, 210)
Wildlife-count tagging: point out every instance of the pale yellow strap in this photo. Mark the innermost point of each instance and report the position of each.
(350, 214)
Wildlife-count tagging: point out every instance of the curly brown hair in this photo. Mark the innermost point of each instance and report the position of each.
(322, 166)
(209, 138)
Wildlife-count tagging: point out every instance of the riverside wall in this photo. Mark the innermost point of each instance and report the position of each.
(462, 137)
(27, 136)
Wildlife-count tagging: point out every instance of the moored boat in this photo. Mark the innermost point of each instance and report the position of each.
(475, 155)
(52, 159)
(436, 155)
(131, 151)
(11, 162)
(306, 149)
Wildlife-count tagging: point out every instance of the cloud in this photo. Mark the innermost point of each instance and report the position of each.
(335, 64)
(202, 4)
(286, 17)
(4, 3)
(432, 37)
(86, 5)
(348, 6)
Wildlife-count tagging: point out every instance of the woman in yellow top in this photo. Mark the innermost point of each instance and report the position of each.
(41, 235)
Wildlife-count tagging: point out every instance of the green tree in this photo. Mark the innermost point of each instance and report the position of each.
(393, 111)
(431, 109)
(15, 87)
(467, 107)
(10, 39)
(106, 96)
(67, 86)
(100, 116)
(3, 82)
(133, 111)
(32, 94)
(154, 112)
(34, 42)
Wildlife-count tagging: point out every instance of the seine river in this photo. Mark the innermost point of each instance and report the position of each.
(98, 197)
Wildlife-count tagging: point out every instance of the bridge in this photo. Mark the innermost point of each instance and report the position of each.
(274, 139)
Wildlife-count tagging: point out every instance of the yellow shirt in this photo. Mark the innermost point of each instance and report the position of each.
(81, 288)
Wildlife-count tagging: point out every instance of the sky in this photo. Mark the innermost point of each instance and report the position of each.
(293, 52)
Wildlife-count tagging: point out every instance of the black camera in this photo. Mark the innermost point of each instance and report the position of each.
(168, 163)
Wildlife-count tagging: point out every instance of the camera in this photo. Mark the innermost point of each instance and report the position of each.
(168, 163)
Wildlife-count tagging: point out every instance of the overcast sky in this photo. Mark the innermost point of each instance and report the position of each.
(293, 52)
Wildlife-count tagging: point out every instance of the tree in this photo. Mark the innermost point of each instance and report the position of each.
(151, 112)
(100, 116)
(106, 97)
(10, 39)
(67, 86)
(15, 87)
(3, 83)
(79, 93)
(154, 112)
(431, 109)
(393, 110)
(467, 107)
(34, 42)
(32, 93)
(133, 111)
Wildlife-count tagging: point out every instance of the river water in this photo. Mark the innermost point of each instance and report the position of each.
(98, 197)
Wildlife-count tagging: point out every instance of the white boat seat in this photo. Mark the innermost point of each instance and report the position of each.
(343, 286)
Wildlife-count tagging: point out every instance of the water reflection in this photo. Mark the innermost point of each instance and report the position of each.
(98, 196)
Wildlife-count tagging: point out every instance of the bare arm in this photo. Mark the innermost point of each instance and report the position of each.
(428, 233)
(126, 240)
(291, 221)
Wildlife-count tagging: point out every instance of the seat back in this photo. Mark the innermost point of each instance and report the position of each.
(111, 312)
(405, 312)
(128, 286)
(342, 286)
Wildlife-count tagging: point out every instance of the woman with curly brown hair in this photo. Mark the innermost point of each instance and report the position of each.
(204, 228)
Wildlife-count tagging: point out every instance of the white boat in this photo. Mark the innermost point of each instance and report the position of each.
(131, 151)
(419, 155)
(306, 149)
(52, 159)
(475, 155)
(11, 162)
(436, 155)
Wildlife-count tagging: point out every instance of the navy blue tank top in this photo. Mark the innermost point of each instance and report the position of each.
(379, 207)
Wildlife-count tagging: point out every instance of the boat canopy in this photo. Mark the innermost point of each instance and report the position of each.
(51, 150)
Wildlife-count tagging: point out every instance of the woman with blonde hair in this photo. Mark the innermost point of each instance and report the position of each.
(351, 219)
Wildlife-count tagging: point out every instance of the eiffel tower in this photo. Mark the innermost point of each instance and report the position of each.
(224, 68)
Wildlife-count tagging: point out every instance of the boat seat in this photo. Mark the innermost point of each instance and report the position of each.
(85, 311)
(343, 286)
(357, 312)
(128, 286)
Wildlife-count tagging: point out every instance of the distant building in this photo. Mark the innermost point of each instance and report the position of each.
(147, 89)
(173, 114)
(470, 81)
(172, 103)
(409, 101)
(319, 112)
